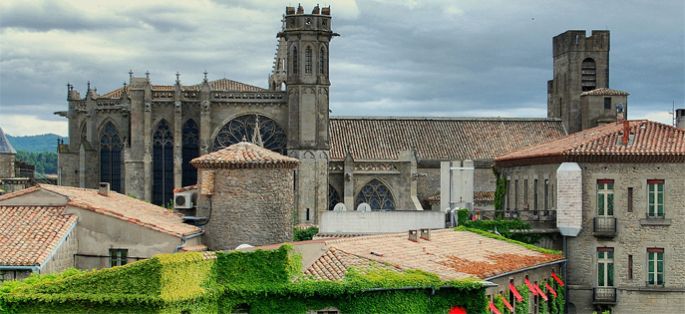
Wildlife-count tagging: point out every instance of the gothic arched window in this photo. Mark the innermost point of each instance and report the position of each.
(333, 197)
(191, 149)
(322, 61)
(588, 74)
(295, 59)
(272, 135)
(308, 60)
(110, 157)
(377, 195)
(162, 164)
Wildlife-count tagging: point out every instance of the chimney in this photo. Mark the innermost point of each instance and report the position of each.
(426, 234)
(626, 132)
(104, 189)
(413, 236)
(680, 118)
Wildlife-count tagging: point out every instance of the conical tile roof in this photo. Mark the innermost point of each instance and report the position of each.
(5, 145)
(244, 155)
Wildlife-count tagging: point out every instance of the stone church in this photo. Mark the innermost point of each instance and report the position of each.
(141, 137)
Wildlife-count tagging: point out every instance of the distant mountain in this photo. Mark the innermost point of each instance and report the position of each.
(36, 143)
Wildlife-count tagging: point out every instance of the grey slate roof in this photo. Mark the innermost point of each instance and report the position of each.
(5, 145)
(483, 139)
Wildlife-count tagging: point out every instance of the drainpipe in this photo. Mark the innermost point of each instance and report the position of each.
(186, 238)
(565, 248)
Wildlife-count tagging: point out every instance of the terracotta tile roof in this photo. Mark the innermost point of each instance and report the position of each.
(30, 234)
(605, 92)
(244, 155)
(449, 254)
(118, 206)
(646, 140)
(114, 94)
(216, 85)
(333, 265)
(437, 138)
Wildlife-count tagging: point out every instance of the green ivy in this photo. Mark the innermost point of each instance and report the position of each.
(523, 307)
(266, 281)
(500, 192)
(302, 234)
(502, 238)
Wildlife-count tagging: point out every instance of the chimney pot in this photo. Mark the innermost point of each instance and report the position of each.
(413, 236)
(104, 189)
(426, 234)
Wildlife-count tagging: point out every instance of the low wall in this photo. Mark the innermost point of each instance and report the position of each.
(379, 222)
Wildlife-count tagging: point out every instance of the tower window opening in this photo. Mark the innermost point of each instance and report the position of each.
(322, 61)
(295, 59)
(308, 60)
(607, 103)
(588, 72)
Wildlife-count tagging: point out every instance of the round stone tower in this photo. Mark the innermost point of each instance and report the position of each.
(246, 192)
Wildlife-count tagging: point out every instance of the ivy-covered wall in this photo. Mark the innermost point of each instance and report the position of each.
(263, 281)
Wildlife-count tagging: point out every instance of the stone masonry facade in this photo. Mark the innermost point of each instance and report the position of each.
(249, 206)
(635, 233)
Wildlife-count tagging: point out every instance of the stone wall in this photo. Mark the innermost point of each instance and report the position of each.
(64, 256)
(354, 222)
(252, 206)
(7, 165)
(634, 235)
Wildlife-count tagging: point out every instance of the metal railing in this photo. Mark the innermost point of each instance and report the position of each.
(604, 226)
(604, 295)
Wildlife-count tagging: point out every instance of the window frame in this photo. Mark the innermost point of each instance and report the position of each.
(605, 193)
(308, 60)
(116, 258)
(654, 256)
(605, 267)
(653, 207)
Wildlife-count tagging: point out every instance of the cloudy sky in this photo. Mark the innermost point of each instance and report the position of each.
(394, 57)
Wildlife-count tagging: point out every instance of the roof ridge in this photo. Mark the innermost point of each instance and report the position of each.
(442, 118)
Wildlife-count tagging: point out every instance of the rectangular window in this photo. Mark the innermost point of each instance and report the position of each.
(605, 197)
(118, 257)
(605, 267)
(516, 194)
(546, 195)
(655, 197)
(508, 194)
(655, 267)
(630, 199)
(630, 267)
(525, 194)
(607, 103)
(535, 194)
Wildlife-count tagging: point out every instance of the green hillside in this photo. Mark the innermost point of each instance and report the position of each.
(36, 143)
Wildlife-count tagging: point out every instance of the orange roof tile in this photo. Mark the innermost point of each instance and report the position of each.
(605, 92)
(118, 206)
(384, 138)
(216, 85)
(244, 155)
(333, 265)
(30, 234)
(646, 139)
(449, 254)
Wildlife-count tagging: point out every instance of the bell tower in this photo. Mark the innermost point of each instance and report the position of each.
(307, 38)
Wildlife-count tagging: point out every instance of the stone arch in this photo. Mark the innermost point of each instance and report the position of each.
(333, 197)
(111, 146)
(190, 133)
(322, 60)
(377, 194)
(588, 73)
(162, 163)
(273, 136)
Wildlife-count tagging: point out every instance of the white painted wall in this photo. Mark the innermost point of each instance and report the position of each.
(380, 222)
(569, 199)
(456, 184)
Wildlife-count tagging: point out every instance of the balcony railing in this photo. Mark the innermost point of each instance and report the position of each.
(604, 226)
(604, 295)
